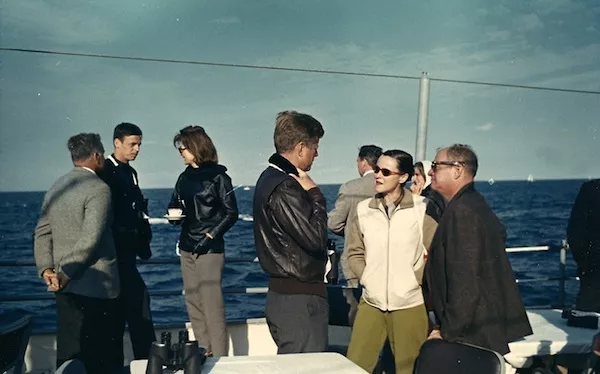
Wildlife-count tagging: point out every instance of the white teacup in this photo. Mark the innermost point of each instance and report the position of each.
(175, 212)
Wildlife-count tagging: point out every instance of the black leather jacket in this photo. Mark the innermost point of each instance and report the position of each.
(206, 196)
(290, 225)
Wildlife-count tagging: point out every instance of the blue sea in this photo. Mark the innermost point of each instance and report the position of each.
(534, 214)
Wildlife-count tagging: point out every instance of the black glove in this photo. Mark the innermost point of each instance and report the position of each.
(202, 247)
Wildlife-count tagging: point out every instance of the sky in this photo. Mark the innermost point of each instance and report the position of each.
(44, 99)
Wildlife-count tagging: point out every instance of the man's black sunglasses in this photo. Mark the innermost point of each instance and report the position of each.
(435, 164)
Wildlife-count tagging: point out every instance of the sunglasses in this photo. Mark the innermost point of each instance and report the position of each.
(181, 149)
(436, 164)
(385, 172)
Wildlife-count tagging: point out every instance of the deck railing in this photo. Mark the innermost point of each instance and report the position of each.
(561, 278)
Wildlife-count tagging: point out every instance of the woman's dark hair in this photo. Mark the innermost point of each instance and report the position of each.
(198, 143)
(404, 162)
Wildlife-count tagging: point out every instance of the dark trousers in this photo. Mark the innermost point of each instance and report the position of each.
(298, 323)
(588, 297)
(134, 303)
(88, 330)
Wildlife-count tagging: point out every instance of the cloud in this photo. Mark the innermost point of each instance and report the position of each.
(67, 25)
(485, 127)
(528, 22)
(226, 20)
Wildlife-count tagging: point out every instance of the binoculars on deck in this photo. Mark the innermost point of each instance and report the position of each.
(184, 355)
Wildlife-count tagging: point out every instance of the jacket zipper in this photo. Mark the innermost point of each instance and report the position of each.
(387, 281)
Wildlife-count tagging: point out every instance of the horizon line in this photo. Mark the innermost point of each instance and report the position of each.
(339, 184)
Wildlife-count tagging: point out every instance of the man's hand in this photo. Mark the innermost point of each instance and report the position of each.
(305, 181)
(435, 334)
(51, 279)
(63, 281)
(596, 345)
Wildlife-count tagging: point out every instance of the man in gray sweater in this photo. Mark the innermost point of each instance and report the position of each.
(75, 255)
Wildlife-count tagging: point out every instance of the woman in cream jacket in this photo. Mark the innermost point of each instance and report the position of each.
(388, 242)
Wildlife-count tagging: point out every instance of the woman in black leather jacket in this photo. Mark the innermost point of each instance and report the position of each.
(205, 194)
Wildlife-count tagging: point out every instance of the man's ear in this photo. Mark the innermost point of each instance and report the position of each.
(458, 172)
(117, 142)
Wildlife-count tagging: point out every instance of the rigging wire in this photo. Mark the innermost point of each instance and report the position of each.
(301, 70)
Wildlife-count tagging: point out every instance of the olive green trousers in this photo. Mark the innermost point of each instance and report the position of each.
(406, 329)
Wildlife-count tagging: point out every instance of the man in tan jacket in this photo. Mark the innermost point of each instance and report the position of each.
(349, 195)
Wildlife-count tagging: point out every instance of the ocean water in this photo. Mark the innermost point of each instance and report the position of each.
(534, 214)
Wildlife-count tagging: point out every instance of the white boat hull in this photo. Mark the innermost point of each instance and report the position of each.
(246, 338)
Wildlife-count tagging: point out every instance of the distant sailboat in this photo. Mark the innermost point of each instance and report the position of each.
(491, 181)
(530, 178)
(246, 188)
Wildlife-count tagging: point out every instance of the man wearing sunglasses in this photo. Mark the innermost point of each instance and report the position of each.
(473, 289)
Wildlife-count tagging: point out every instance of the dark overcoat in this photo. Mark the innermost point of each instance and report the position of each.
(473, 288)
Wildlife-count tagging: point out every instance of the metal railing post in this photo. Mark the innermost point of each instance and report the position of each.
(563, 273)
(422, 119)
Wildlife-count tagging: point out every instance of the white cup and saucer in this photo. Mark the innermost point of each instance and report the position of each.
(174, 214)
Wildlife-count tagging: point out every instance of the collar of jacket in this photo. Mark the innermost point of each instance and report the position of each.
(282, 163)
(115, 161)
(404, 201)
(469, 187)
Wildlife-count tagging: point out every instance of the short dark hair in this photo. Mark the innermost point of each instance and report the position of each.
(404, 160)
(83, 145)
(198, 143)
(464, 153)
(126, 129)
(370, 153)
(292, 128)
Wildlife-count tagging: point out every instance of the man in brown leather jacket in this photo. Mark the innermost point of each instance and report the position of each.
(290, 234)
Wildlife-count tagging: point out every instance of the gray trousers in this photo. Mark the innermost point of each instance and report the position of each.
(204, 300)
(298, 323)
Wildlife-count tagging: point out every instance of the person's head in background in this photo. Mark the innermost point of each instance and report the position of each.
(421, 180)
(367, 158)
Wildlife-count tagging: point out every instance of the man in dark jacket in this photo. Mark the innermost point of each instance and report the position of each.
(583, 234)
(290, 234)
(132, 235)
(473, 289)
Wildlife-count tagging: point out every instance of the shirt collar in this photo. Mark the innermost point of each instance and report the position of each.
(114, 160)
(88, 169)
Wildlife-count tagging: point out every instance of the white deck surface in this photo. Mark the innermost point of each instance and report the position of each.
(551, 336)
(302, 363)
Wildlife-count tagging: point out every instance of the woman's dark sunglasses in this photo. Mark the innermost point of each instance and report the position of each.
(385, 172)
